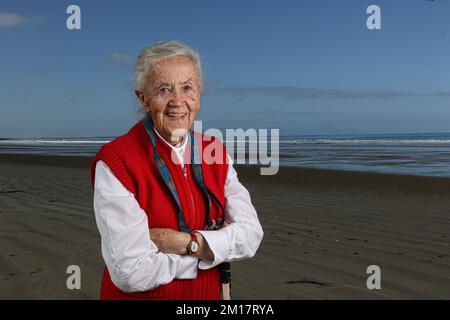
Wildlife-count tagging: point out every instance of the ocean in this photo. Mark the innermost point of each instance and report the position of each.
(425, 154)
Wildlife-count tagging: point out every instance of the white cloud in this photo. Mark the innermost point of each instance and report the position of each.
(12, 20)
(120, 58)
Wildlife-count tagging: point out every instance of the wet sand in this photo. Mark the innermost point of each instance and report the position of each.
(323, 228)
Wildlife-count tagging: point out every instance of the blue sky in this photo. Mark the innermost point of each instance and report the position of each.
(306, 67)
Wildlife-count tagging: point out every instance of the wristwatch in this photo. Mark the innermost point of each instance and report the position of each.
(193, 245)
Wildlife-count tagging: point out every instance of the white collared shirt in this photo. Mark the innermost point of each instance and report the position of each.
(132, 258)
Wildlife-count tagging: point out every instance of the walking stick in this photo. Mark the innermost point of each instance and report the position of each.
(225, 280)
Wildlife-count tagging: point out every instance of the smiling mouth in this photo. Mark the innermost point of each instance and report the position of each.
(175, 115)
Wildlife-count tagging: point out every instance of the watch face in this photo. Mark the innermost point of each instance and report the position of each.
(194, 246)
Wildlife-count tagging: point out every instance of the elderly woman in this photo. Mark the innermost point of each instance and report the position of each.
(167, 222)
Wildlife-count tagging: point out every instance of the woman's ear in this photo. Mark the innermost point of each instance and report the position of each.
(141, 96)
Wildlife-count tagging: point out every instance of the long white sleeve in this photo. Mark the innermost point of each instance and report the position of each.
(131, 257)
(242, 237)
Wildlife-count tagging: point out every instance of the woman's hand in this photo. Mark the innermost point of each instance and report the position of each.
(169, 240)
(172, 241)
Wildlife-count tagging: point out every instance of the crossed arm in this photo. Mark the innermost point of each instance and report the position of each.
(172, 241)
(139, 259)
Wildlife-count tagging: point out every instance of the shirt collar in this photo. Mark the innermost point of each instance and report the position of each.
(181, 146)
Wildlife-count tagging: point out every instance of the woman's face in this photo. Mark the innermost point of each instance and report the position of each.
(171, 96)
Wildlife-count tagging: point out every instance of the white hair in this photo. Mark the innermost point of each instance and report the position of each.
(159, 51)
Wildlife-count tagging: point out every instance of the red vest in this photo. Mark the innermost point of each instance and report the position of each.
(130, 158)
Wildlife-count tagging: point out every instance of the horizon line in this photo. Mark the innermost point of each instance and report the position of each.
(281, 135)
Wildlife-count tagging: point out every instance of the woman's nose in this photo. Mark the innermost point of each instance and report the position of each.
(177, 99)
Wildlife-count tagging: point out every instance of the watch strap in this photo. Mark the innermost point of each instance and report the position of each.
(193, 236)
(193, 239)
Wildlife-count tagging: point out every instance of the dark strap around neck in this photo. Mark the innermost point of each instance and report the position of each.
(198, 177)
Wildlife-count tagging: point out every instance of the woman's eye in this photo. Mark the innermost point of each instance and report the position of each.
(187, 88)
(164, 90)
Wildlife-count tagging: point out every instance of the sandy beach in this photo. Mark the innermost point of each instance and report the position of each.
(323, 228)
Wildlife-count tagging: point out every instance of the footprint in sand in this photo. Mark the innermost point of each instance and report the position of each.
(431, 260)
(309, 282)
(37, 270)
(11, 191)
(11, 274)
